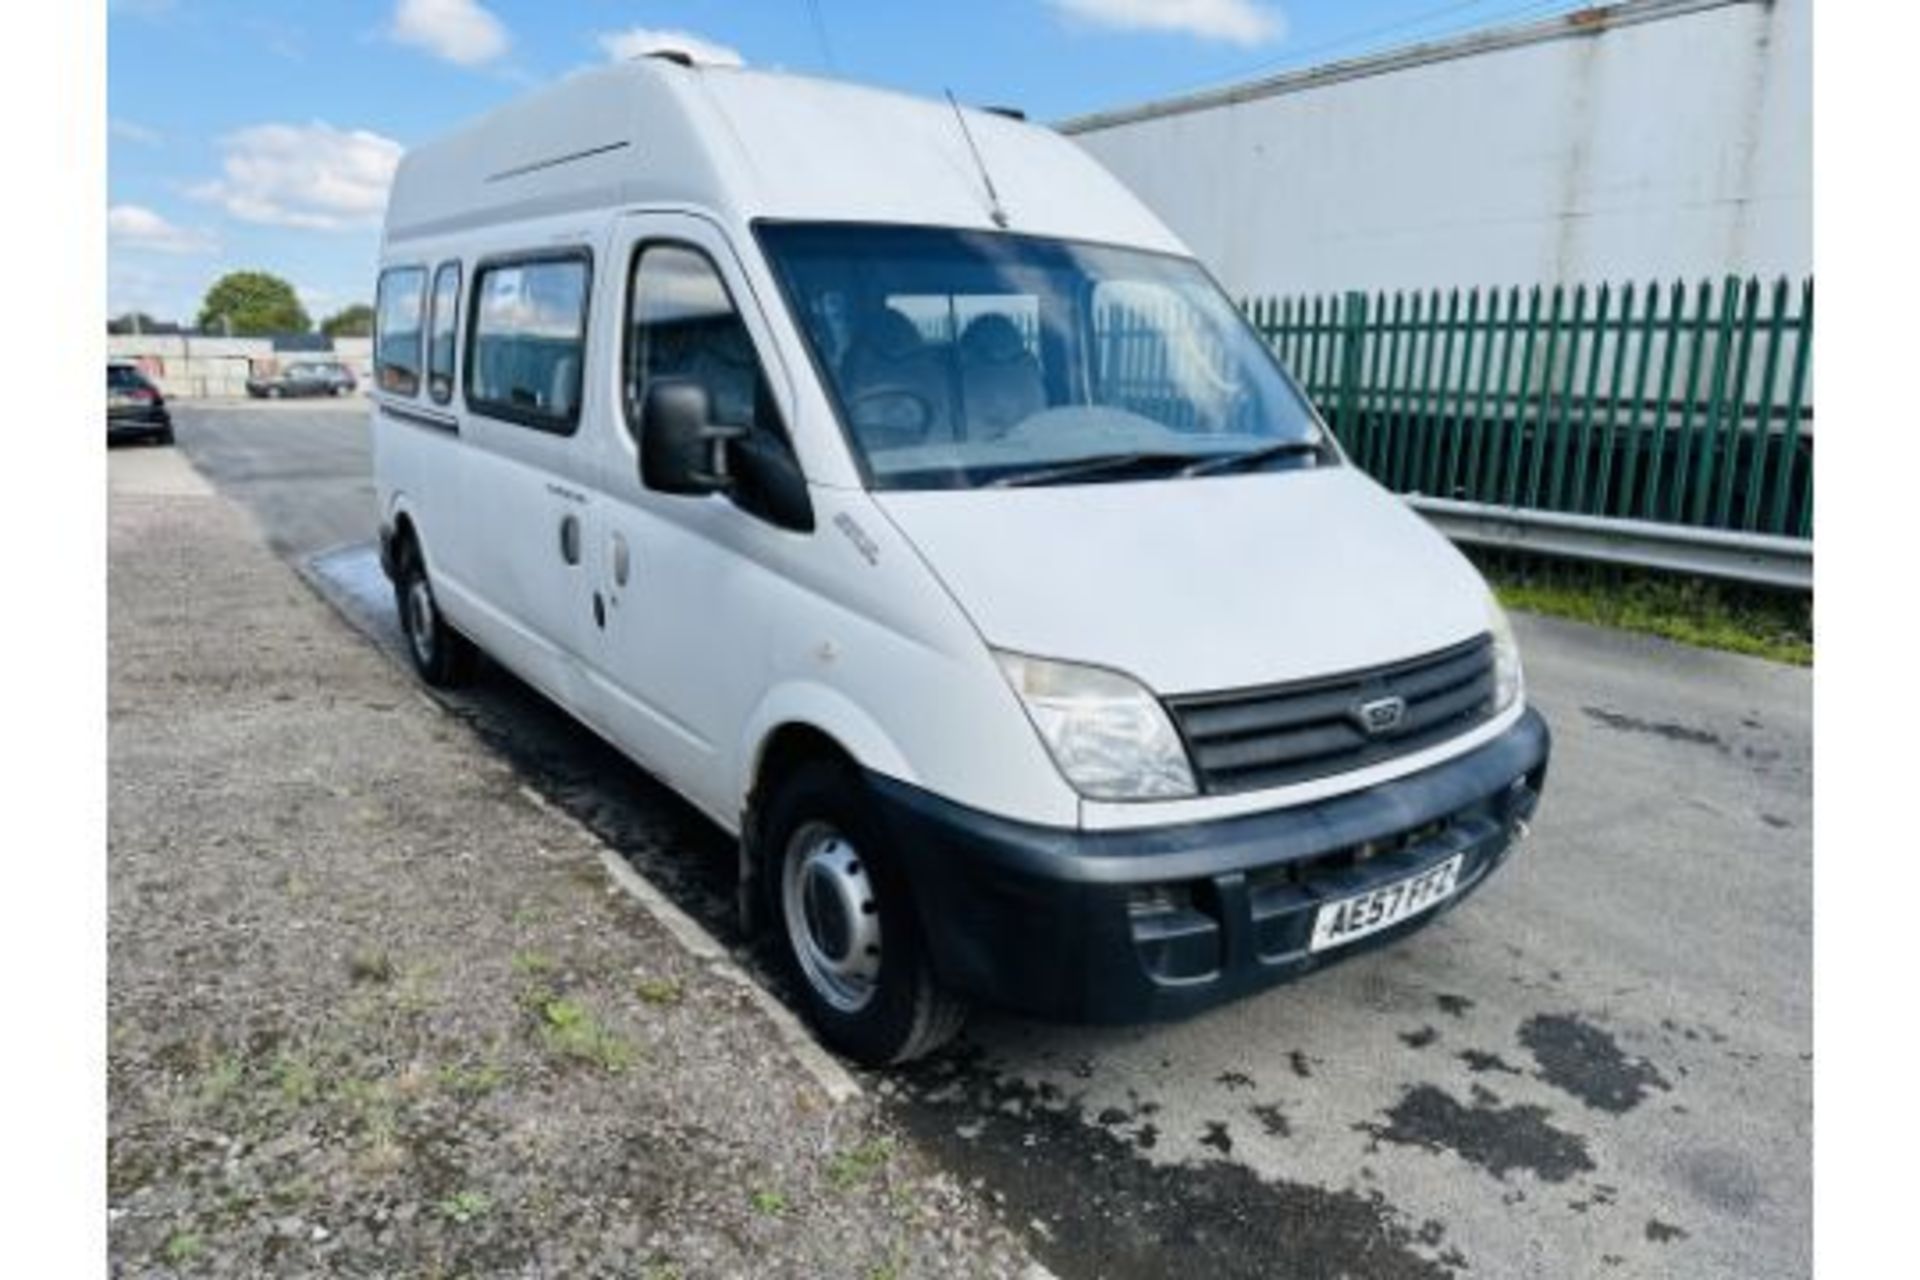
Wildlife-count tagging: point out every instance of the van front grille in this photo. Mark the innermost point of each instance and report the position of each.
(1247, 739)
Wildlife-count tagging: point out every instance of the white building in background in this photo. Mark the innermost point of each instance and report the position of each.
(1654, 139)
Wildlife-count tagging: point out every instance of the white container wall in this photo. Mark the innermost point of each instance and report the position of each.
(1657, 139)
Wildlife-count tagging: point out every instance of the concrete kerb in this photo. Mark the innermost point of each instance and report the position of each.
(833, 1078)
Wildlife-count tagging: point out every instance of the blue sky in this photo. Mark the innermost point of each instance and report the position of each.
(262, 133)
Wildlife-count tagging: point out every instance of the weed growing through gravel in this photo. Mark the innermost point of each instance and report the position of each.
(570, 1030)
(182, 1247)
(298, 1082)
(851, 1168)
(659, 990)
(474, 1081)
(374, 967)
(465, 1206)
(221, 1080)
(770, 1202)
(532, 963)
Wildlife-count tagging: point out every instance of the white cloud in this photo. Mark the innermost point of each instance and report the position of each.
(313, 176)
(133, 132)
(132, 226)
(634, 42)
(1245, 22)
(462, 31)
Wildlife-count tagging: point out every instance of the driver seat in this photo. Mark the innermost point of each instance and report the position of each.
(888, 353)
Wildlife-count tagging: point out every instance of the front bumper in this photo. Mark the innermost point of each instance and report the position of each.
(1125, 926)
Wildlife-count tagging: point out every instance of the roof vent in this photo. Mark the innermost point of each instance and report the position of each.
(1011, 113)
(679, 57)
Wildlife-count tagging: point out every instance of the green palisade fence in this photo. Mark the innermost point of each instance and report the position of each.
(1676, 404)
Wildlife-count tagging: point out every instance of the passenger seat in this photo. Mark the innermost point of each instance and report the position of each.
(1000, 380)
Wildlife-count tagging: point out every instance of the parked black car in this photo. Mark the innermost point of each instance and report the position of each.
(135, 408)
(307, 378)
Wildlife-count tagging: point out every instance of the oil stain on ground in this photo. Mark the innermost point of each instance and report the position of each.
(1482, 1132)
(1658, 728)
(1585, 1061)
(1096, 1206)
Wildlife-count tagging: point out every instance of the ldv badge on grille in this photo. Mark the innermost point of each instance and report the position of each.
(1381, 715)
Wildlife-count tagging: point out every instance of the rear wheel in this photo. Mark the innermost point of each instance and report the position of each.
(846, 925)
(443, 657)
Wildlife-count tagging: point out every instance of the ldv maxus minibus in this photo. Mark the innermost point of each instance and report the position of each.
(886, 479)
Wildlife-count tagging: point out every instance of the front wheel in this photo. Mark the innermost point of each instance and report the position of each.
(845, 924)
(443, 657)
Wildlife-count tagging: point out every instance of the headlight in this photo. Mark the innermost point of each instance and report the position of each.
(1507, 680)
(1110, 737)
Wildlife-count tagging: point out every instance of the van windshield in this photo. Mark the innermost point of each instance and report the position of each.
(959, 359)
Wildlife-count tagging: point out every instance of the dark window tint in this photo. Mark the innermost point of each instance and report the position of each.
(683, 324)
(122, 377)
(440, 337)
(529, 336)
(396, 330)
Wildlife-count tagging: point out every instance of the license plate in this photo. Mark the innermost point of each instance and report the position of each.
(117, 401)
(1351, 919)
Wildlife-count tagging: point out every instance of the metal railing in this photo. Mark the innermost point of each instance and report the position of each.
(1686, 408)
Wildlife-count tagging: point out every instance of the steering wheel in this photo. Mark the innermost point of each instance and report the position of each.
(906, 416)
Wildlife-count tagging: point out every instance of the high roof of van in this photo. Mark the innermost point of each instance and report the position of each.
(743, 145)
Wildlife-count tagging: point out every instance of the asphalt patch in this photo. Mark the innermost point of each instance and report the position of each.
(1496, 1138)
(1098, 1207)
(1579, 1058)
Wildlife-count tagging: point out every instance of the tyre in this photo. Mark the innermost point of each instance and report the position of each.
(165, 437)
(845, 925)
(443, 657)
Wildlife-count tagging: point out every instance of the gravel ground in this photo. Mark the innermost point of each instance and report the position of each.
(373, 1011)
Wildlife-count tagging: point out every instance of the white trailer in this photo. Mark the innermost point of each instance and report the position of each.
(1651, 139)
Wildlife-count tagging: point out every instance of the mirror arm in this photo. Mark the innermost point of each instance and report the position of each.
(720, 436)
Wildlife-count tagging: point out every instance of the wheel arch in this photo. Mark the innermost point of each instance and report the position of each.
(794, 724)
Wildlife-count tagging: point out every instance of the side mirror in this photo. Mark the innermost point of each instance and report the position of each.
(681, 450)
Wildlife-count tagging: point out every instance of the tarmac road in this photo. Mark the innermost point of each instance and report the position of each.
(1601, 1065)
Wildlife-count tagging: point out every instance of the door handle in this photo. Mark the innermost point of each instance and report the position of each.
(622, 561)
(570, 539)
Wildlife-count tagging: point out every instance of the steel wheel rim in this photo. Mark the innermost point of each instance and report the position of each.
(420, 619)
(832, 916)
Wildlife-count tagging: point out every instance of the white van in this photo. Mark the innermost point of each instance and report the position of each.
(892, 484)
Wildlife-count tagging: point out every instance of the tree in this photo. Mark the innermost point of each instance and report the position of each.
(251, 303)
(355, 321)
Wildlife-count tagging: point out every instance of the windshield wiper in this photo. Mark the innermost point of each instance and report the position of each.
(1099, 464)
(1249, 458)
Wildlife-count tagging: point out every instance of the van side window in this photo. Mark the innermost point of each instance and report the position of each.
(441, 327)
(527, 340)
(683, 324)
(396, 330)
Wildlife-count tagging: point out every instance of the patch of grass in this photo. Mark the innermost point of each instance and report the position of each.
(532, 963)
(183, 1247)
(221, 1080)
(465, 1206)
(298, 1081)
(374, 967)
(659, 991)
(569, 1029)
(471, 1081)
(851, 1168)
(1713, 615)
(768, 1201)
